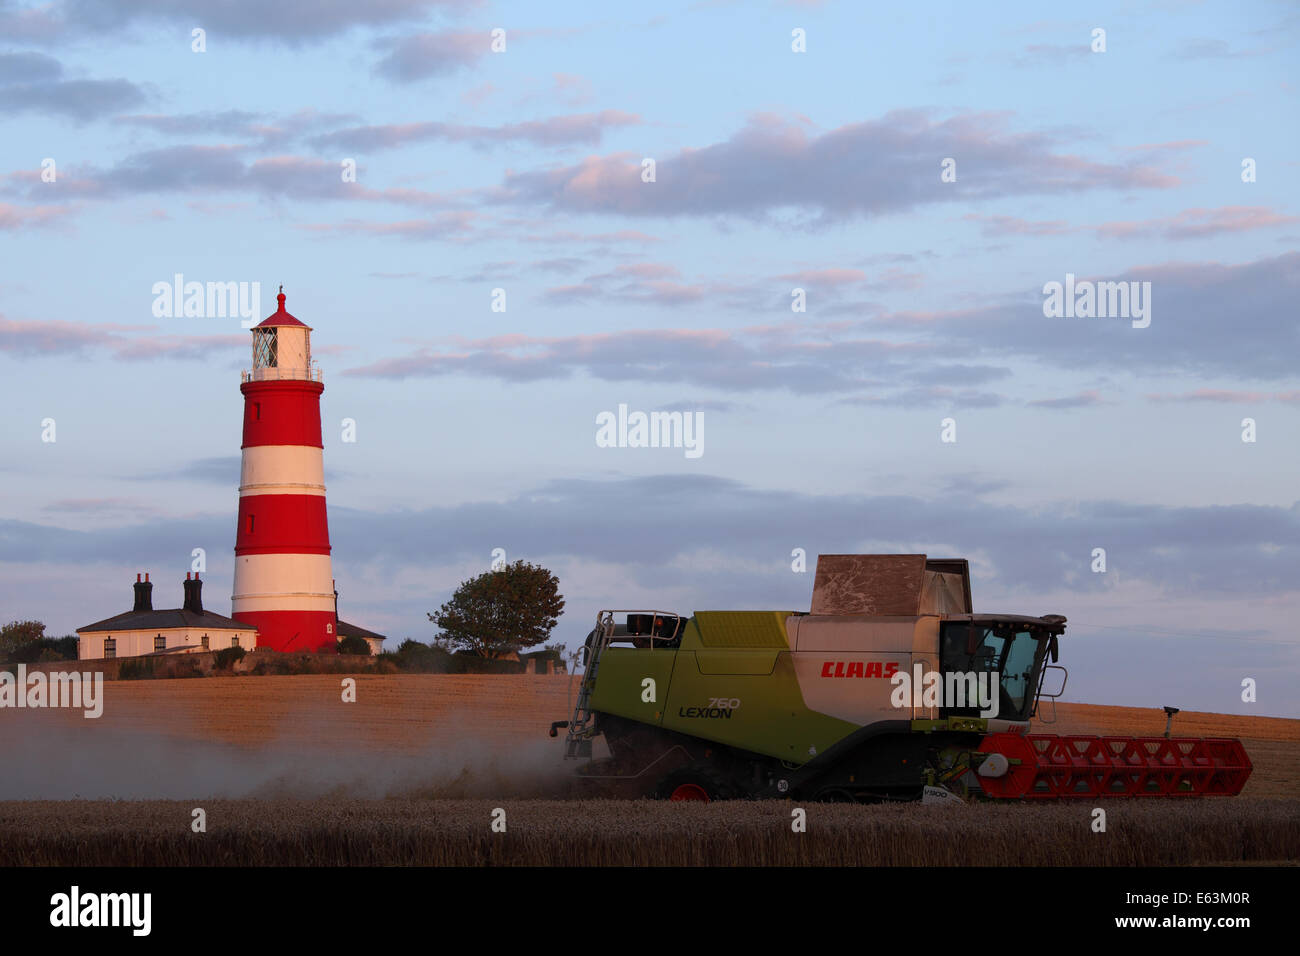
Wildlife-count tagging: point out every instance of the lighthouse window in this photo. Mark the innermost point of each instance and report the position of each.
(234, 641)
(264, 348)
(110, 647)
(257, 411)
(160, 643)
(250, 524)
(205, 642)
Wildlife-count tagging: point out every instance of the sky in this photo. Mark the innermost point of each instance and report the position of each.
(843, 258)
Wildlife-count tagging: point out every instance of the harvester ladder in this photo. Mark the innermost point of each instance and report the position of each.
(578, 741)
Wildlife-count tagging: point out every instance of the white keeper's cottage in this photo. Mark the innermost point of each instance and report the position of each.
(183, 630)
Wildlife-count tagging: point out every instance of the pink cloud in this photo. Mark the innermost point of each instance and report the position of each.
(56, 337)
(825, 276)
(1013, 226)
(1223, 395)
(13, 218)
(1198, 223)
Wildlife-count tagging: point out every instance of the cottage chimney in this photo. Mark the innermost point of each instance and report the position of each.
(143, 594)
(193, 594)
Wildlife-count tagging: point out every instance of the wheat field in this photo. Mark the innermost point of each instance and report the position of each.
(410, 774)
(641, 833)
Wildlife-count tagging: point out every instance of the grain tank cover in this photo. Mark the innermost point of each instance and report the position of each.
(891, 585)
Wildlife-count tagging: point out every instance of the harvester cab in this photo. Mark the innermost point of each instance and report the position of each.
(890, 687)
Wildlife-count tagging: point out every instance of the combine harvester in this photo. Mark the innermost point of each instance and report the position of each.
(890, 689)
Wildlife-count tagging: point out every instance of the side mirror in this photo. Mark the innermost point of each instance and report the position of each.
(1054, 649)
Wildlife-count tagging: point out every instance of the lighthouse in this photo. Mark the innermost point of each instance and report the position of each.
(283, 580)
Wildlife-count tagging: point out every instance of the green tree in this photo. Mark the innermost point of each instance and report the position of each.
(65, 647)
(503, 611)
(354, 644)
(21, 640)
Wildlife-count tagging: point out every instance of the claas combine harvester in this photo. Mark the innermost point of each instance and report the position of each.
(891, 688)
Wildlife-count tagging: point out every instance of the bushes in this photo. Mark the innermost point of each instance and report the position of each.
(176, 667)
(411, 657)
(415, 658)
(464, 662)
(304, 662)
(352, 644)
(227, 658)
(273, 664)
(136, 668)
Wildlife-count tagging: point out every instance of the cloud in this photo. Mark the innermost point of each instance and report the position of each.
(797, 358)
(222, 168)
(621, 235)
(1084, 399)
(1053, 54)
(28, 68)
(584, 128)
(932, 396)
(13, 218)
(1198, 223)
(116, 508)
(225, 122)
(825, 276)
(651, 283)
(49, 337)
(446, 225)
(33, 83)
(995, 226)
(423, 55)
(1226, 396)
(646, 283)
(41, 24)
(222, 470)
(704, 405)
(562, 264)
(1207, 48)
(773, 166)
(954, 349)
(292, 22)
(1225, 550)
(1173, 146)
(961, 374)
(1207, 318)
(1188, 224)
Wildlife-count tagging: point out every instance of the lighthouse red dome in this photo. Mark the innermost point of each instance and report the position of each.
(281, 317)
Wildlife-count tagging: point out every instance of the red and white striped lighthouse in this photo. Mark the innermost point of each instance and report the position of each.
(283, 582)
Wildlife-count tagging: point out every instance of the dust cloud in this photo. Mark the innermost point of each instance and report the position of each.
(44, 760)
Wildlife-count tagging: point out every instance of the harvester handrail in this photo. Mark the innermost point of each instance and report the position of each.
(609, 627)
